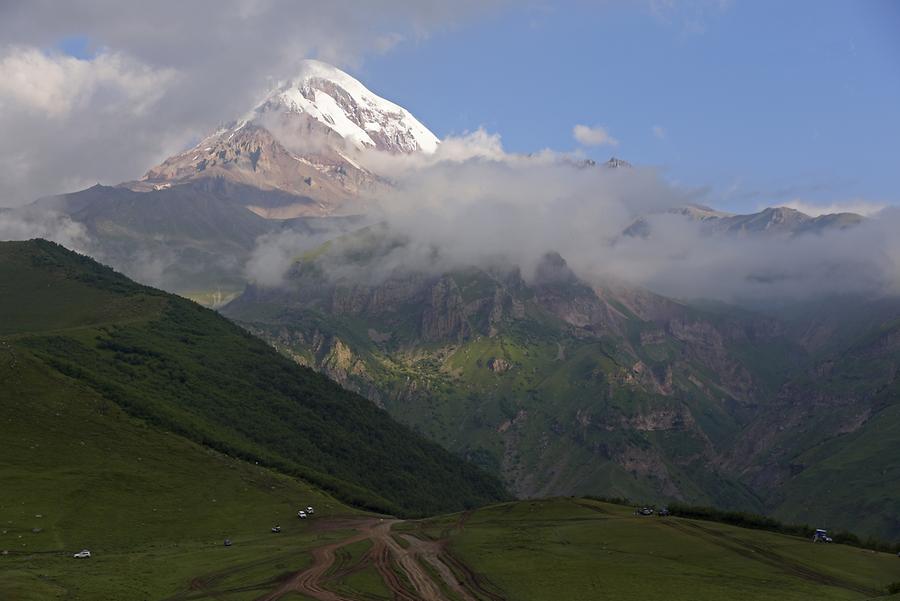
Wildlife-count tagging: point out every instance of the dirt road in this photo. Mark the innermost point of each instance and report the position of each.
(401, 567)
(412, 570)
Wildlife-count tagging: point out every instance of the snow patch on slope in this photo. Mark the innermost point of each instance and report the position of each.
(351, 110)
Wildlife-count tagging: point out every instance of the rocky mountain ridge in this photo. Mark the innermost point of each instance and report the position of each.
(304, 140)
(503, 358)
(562, 387)
(771, 221)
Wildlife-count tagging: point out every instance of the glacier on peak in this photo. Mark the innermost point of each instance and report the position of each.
(344, 105)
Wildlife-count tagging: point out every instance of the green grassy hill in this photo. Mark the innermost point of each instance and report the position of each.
(186, 370)
(78, 472)
(582, 550)
(92, 387)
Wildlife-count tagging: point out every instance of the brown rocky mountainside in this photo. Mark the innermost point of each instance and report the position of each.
(248, 155)
(304, 140)
(566, 388)
(561, 387)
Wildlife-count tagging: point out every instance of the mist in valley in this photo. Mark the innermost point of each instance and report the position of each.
(472, 204)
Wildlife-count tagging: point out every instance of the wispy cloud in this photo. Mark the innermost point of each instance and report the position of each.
(659, 132)
(157, 75)
(55, 85)
(593, 136)
(474, 204)
(32, 222)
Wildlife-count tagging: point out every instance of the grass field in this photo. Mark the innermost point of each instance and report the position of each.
(91, 367)
(189, 371)
(80, 470)
(585, 550)
(77, 472)
(154, 509)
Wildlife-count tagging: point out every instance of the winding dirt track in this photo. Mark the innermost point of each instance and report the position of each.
(308, 581)
(401, 567)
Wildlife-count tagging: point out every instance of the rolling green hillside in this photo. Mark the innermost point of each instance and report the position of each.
(184, 369)
(131, 422)
(78, 472)
(582, 550)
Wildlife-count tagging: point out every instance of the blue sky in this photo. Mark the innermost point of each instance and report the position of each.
(759, 102)
(79, 46)
(762, 102)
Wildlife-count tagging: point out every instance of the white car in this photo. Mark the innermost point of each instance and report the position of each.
(301, 514)
(309, 510)
(83, 554)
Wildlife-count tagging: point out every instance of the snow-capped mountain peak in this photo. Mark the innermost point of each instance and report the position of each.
(344, 105)
(297, 152)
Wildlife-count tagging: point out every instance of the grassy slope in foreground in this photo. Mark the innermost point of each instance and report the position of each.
(77, 472)
(582, 550)
(190, 371)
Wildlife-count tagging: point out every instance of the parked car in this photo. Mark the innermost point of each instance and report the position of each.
(83, 554)
(663, 512)
(227, 542)
(821, 536)
(301, 514)
(310, 510)
(276, 529)
(646, 511)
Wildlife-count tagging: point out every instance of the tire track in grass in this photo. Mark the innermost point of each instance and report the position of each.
(418, 577)
(767, 556)
(308, 581)
(207, 585)
(385, 567)
(401, 569)
(431, 551)
(470, 579)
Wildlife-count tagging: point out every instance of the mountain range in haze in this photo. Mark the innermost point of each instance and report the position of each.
(319, 145)
(552, 379)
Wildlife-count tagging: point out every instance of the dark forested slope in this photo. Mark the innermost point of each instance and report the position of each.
(184, 368)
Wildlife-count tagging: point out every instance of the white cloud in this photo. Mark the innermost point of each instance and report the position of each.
(659, 132)
(28, 223)
(859, 206)
(54, 85)
(593, 136)
(513, 209)
(68, 122)
(168, 72)
(478, 144)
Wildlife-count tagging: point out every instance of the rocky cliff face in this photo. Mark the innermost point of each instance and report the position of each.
(566, 388)
(248, 155)
(552, 383)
